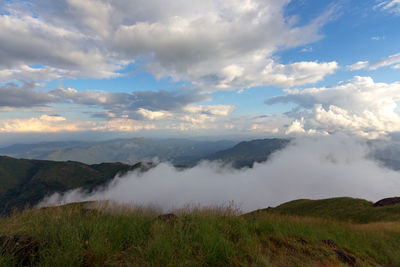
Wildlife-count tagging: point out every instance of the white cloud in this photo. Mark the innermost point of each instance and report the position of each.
(359, 106)
(54, 124)
(390, 60)
(393, 6)
(27, 73)
(307, 49)
(216, 45)
(384, 62)
(219, 110)
(378, 38)
(296, 127)
(153, 115)
(44, 123)
(359, 65)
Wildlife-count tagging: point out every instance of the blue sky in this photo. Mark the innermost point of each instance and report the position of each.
(206, 68)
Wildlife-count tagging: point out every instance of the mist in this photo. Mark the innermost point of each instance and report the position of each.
(309, 167)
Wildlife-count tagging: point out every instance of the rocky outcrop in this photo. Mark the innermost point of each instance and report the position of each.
(387, 202)
(342, 256)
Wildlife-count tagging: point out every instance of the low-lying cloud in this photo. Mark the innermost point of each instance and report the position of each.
(318, 167)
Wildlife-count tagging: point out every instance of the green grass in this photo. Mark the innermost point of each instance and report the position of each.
(344, 209)
(72, 235)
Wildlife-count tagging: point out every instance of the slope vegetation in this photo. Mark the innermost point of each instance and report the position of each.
(343, 209)
(25, 182)
(76, 235)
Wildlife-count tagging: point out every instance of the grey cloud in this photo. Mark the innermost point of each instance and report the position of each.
(128, 104)
(305, 101)
(165, 100)
(119, 104)
(25, 95)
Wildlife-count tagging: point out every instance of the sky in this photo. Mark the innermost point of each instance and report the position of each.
(72, 69)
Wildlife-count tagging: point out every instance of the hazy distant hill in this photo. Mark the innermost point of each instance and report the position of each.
(25, 182)
(177, 151)
(387, 152)
(129, 151)
(246, 153)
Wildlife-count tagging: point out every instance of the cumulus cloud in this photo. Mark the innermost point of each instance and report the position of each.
(267, 72)
(384, 62)
(216, 45)
(325, 167)
(359, 106)
(59, 49)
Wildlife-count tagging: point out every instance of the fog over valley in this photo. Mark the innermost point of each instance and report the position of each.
(309, 167)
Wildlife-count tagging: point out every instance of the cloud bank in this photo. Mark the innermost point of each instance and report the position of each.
(313, 168)
(359, 106)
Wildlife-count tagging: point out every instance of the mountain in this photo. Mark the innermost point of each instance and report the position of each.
(129, 151)
(248, 152)
(26, 182)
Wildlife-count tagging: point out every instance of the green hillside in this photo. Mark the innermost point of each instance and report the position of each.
(248, 152)
(76, 235)
(343, 209)
(25, 182)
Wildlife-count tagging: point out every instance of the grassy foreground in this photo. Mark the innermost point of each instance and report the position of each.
(73, 235)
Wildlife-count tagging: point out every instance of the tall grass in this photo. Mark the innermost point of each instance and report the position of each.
(78, 235)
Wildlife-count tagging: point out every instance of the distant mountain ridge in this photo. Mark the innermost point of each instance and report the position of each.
(247, 152)
(177, 151)
(129, 151)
